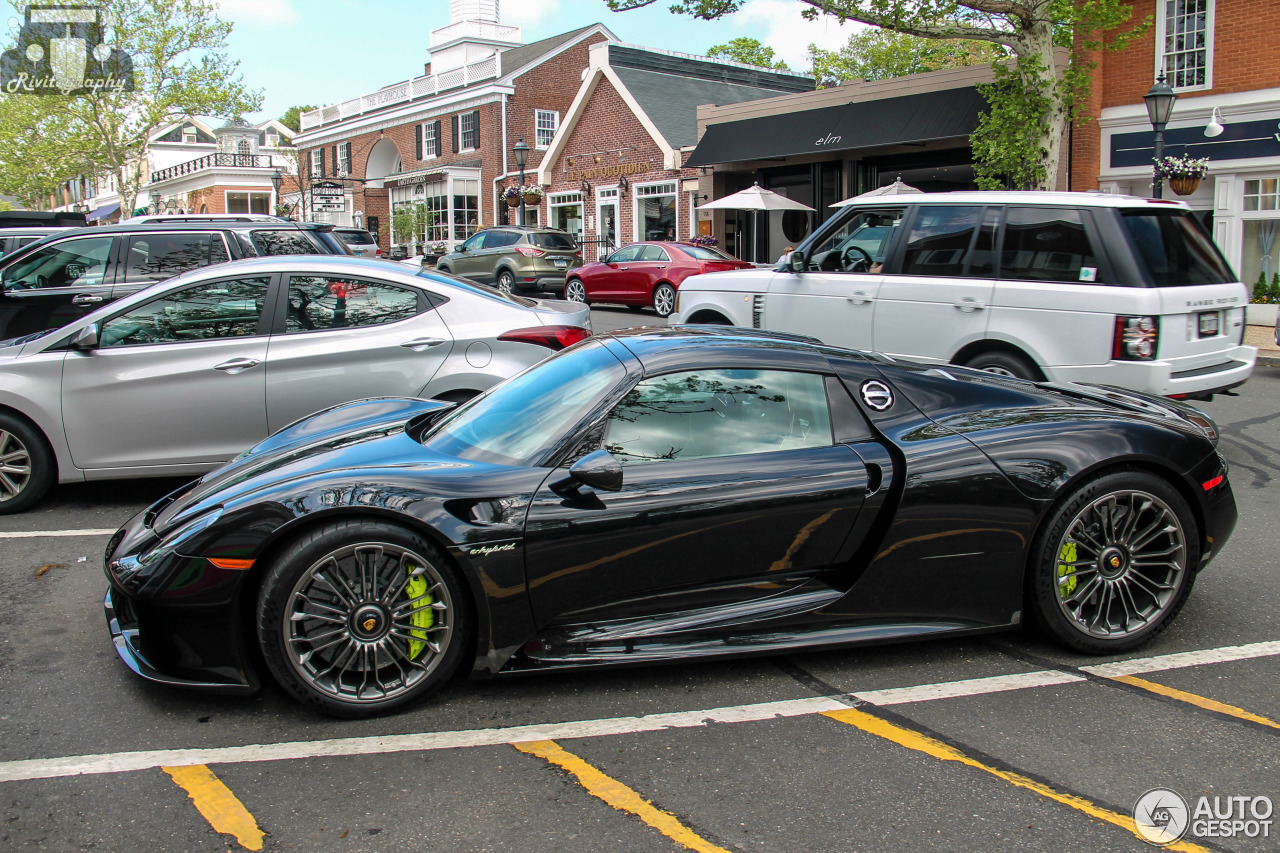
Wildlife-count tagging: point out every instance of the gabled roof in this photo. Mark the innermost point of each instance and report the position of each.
(516, 58)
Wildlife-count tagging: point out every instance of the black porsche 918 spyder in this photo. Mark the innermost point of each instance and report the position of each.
(662, 495)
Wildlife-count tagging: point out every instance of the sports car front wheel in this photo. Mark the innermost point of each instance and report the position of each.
(359, 618)
(1114, 563)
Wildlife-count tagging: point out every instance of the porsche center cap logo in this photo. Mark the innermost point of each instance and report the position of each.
(1115, 562)
(877, 395)
(370, 624)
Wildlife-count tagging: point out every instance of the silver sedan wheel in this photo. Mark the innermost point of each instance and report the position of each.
(15, 466)
(368, 622)
(1120, 564)
(575, 291)
(664, 300)
(506, 282)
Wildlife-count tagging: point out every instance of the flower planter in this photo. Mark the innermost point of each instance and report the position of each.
(1183, 185)
(512, 202)
(1260, 315)
(532, 200)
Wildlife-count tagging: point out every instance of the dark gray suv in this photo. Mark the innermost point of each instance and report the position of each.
(515, 258)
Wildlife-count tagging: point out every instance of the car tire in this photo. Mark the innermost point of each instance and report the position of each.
(575, 290)
(386, 657)
(507, 282)
(1113, 563)
(28, 468)
(664, 300)
(444, 270)
(1004, 363)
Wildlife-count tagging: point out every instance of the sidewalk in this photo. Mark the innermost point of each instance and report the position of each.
(1264, 338)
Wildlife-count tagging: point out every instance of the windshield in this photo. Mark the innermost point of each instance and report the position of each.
(1174, 250)
(359, 237)
(521, 419)
(544, 240)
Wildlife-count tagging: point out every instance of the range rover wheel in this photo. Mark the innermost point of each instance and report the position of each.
(506, 282)
(362, 617)
(1004, 364)
(1114, 563)
(664, 299)
(575, 290)
(27, 466)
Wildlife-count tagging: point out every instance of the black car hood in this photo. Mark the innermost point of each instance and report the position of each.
(326, 431)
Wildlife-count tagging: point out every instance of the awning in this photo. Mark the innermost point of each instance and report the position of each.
(102, 212)
(925, 117)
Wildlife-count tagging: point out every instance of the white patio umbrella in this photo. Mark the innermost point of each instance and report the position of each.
(755, 198)
(895, 188)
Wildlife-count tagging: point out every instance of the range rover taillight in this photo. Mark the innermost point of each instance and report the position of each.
(1136, 338)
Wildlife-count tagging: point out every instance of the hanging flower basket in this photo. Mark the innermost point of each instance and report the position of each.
(532, 195)
(511, 195)
(1184, 185)
(1184, 174)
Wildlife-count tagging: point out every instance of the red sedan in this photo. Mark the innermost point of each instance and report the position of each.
(641, 275)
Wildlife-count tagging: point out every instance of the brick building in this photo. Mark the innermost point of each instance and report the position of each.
(1222, 57)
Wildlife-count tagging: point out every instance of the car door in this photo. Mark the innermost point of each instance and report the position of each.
(617, 277)
(343, 338)
(733, 489)
(469, 260)
(151, 257)
(176, 380)
(55, 284)
(833, 298)
(651, 267)
(938, 298)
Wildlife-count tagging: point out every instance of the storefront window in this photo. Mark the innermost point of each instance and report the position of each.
(466, 208)
(656, 211)
(437, 204)
(248, 202)
(1262, 194)
(566, 213)
(1261, 250)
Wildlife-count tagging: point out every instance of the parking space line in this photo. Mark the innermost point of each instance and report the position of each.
(618, 795)
(214, 800)
(874, 725)
(1182, 660)
(1199, 701)
(43, 534)
(970, 687)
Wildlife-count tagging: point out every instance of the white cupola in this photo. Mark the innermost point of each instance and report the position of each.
(475, 33)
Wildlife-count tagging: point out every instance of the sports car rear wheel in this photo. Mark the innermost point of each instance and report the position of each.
(1114, 563)
(358, 618)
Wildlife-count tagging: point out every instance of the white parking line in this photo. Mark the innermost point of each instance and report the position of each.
(1182, 660)
(41, 534)
(972, 687)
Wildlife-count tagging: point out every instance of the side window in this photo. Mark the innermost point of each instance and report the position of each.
(284, 243)
(939, 240)
(859, 244)
(1046, 244)
(153, 257)
(626, 253)
(215, 309)
(321, 302)
(69, 263)
(708, 413)
(500, 239)
(476, 241)
(653, 253)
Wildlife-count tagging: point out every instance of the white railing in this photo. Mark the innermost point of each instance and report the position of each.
(430, 84)
(476, 30)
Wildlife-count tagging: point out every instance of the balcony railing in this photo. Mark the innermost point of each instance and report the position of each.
(418, 87)
(213, 161)
(475, 29)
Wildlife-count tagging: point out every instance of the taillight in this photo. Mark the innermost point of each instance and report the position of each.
(1136, 338)
(377, 253)
(554, 337)
(530, 252)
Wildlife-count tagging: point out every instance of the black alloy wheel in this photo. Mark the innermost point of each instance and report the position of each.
(664, 299)
(27, 466)
(507, 282)
(1005, 364)
(361, 617)
(1114, 563)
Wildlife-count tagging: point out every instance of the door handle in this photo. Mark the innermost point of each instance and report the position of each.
(662, 266)
(624, 268)
(236, 365)
(968, 304)
(85, 299)
(420, 344)
(859, 297)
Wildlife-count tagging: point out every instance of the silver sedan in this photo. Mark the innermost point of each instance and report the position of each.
(183, 376)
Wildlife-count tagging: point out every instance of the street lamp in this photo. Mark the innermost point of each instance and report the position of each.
(1159, 107)
(521, 151)
(155, 201)
(277, 181)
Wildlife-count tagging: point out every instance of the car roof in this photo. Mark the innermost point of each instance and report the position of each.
(238, 225)
(1090, 198)
(662, 348)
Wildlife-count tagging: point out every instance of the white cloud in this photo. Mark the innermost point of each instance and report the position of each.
(528, 13)
(777, 23)
(258, 12)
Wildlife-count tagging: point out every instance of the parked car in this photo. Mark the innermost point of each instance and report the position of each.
(181, 377)
(662, 495)
(55, 280)
(42, 219)
(167, 218)
(13, 239)
(515, 258)
(359, 241)
(645, 275)
(1083, 287)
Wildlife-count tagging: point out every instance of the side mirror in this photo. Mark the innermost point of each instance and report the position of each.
(797, 262)
(86, 339)
(461, 247)
(598, 470)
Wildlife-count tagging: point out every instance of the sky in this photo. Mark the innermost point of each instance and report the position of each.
(325, 51)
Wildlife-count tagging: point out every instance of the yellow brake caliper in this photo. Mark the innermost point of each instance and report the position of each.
(1067, 569)
(422, 616)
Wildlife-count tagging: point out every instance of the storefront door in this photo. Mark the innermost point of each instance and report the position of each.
(606, 220)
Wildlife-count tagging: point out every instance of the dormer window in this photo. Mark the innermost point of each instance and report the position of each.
(272, 140)
(189, 135)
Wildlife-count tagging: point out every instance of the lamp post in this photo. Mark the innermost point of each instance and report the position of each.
(1159, 107)
(277, 181)
(155, 201)
(522, 156)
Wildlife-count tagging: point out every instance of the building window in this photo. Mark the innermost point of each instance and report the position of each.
(1262, 194)
(243, 147)
(317, 162)
(470, 131)
(272, 140)
(431, 139)
(466, 207)
(566, 213)
(1184, 34)
(344, 158)
(656, 211)
(189, 135)
(248, 202)
(545, 124)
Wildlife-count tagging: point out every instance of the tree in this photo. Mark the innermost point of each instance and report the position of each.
(877, 54)
(1019, 140)
(180, 68)
(749, 51)
(292, 117)
(36, 149)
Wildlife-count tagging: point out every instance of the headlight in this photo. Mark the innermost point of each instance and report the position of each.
(173, 542)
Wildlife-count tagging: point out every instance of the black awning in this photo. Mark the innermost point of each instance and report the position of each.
(911, 118)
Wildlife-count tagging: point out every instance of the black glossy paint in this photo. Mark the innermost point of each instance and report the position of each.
(917, 521)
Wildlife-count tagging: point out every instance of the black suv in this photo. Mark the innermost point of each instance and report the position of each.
(53, 281)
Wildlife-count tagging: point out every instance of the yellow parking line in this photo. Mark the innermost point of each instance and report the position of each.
(219, 806)
(936, 748)
(619, 795)
(1199, 701)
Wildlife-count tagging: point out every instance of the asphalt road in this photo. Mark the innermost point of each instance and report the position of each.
(1027, 752)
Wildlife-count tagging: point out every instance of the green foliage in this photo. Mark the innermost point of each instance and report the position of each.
(1007, 144)
(292, 117)
(749, 51)
(1273, 293)
(877, 54)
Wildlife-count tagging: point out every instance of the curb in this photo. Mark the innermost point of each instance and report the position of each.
(1268, 360)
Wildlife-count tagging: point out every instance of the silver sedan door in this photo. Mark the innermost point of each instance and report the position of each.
(347, 339)
(176, 380)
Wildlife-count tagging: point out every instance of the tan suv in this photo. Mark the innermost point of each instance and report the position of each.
(515, 258)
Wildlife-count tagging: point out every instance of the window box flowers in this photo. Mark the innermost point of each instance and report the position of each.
(1184, 174)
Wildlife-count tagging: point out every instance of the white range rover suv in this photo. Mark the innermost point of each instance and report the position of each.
(1066, 287)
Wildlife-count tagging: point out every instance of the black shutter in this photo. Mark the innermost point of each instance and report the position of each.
(435, 144)
(335, 159)
(321, 175)
(454, 120)
(417, 139)
(475, 123)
